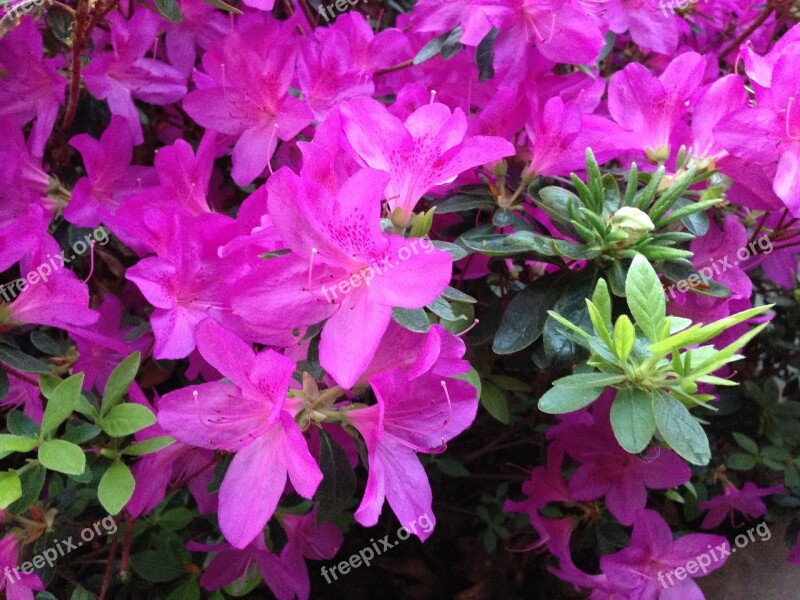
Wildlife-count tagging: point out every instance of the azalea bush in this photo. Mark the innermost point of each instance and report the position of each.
(283, 279)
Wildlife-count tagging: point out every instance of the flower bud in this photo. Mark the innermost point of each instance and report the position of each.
(631, 221)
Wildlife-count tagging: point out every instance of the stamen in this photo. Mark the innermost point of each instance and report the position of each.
(552, 29)
(272, 150)
(468, 329)
(449, 405)
(314, 253)
(91, 261)
(433, 96)
(789, 118)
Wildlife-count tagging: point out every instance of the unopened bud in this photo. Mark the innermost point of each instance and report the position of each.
(631, 221)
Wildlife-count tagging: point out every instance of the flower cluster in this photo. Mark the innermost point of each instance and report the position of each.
(327, 243)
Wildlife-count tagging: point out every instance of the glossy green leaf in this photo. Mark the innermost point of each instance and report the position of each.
(126, 419)
(62, 456)
(116, 487)
(119, 381)
(632, 419)
(645, 297)
(680, 430)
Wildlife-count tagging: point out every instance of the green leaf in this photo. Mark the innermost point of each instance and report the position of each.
(119, 381)
(61, 402)
(671, 195)
(602, 300)
(441, 308)
(82, 433)
(555, 201)
(10, 488)
(559, 400)
(4, 383)
(126, 419)
(222, 5)
(188, 590)
(632, 419)
(455, 295)
(149, 446)
(589, 380)
(495, 402)
(509, 384)
(472, 378)
(624, 338)
(645, 297)
(413, 319)
(680, 213)
(116, 487)
(61, 456)
(157, 566)
(524, 319)
(464, 203)
(46, 344)
(683, 271)
(16, 359)
(32, 484)
(739, 461)
(571, 308)
(338, 479)
(643, 197)
(599, 323)
(746, 442)
(450, 466)
(170, 10)
(680, 430)
(454, 250)
(484, 55)
(15, 443)
(437, 44)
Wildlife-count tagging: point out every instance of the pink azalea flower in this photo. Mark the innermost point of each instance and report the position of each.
(26, 210)
(16, 584)
(623, 479)
(24, 394)
(647, 21)
(251, 417)
(32, 86)
(102, 345)
(201, 27)
(746, 501)
(642, 567)
(607, 470)
(337, 62)
(286, 574)
(185, 282)
(769, 133)
(110, 178)
(430, 148)
(125, 73)
(244, 92)
(58, 298)
(335, 240)
(649, 108)
(419, 415)
(559, 134)
(171, 465)
(183, 177)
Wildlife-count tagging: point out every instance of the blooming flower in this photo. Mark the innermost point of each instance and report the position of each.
(251, 417)
(430, 148)
(337, 241)
(125, 73)
(746, 501)
(244, 92)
